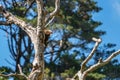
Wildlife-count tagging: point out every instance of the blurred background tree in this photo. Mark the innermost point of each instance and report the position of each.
(69, 44)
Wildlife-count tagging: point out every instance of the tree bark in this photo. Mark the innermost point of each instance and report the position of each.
(38, 62)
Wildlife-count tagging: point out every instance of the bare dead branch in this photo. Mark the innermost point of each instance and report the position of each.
(61, 43)
(13, 19)
(99, 64)
(12, 74)
(9, 75)
(50, 21)
(91, 54)
(57, 6)
(82, 74)
(95, 66)
(52, 14)
(112, 56)
(96, 40)
(20, 69)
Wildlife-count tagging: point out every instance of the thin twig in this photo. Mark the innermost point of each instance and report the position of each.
(50, 21)
(20, 69)
(50, 15)
(13, 74)
(9, 75)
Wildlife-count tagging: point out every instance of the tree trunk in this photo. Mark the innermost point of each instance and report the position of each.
(38, 63)
(36, 34)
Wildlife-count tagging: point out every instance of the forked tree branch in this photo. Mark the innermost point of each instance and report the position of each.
(91, 54)
(14, 74)
(82, 73)
(21, 72)
(102, 63)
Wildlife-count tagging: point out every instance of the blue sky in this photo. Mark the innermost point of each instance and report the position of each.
(109, 16)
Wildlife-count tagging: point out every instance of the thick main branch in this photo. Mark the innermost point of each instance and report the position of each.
(10, 18)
